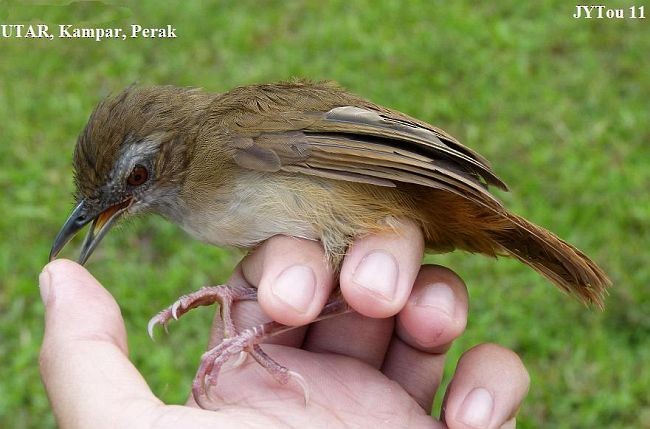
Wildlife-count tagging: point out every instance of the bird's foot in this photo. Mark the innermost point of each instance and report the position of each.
(234, 343)
(225, 295)
(247, 342)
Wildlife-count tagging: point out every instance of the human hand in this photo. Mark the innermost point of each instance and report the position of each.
(362, 372)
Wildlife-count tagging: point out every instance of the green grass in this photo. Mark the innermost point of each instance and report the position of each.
(560, 106)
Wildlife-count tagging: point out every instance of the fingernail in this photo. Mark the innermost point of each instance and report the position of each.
(44, 279)
(377, 272)
(438, 296)
(476, 410)
(296, 287)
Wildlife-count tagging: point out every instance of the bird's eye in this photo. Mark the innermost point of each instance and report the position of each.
(138, 175)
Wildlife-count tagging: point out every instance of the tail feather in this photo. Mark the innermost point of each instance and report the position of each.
(453, 222)
(554, 258)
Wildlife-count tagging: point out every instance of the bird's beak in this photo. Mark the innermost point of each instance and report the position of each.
(79, 217)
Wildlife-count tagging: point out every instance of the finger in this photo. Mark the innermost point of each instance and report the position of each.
(293, 277)
(434, 315)
(356, 335)
(352, 335)
(487, 389)
(436, 312)
(379, 269)
(83, 360)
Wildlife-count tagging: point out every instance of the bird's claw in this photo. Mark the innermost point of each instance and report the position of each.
(240, 359)
(300, 381)
(158, 319)
(175, 307)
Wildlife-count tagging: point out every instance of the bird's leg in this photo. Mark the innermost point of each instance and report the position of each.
(235, 343)
(248, 341)
(225, 295)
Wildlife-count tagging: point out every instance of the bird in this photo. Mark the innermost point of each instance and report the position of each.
(299, 158)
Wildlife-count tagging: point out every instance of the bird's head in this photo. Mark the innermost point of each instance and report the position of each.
(131, 157)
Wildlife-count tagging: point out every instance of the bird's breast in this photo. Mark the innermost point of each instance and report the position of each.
(254, 206)
(250, 209)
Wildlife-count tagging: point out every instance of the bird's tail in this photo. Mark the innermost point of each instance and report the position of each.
(554, 258)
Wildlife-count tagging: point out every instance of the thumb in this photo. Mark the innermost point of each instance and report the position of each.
(84, 363)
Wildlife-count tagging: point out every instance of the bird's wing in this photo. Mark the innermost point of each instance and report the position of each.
(362, 144)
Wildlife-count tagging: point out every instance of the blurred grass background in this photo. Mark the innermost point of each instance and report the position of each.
(560, 106)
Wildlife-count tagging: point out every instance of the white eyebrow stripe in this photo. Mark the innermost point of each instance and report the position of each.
(140, 150)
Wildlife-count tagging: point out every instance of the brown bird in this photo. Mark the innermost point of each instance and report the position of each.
(301, 159)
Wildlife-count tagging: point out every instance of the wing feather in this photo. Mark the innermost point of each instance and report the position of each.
(367, 146)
